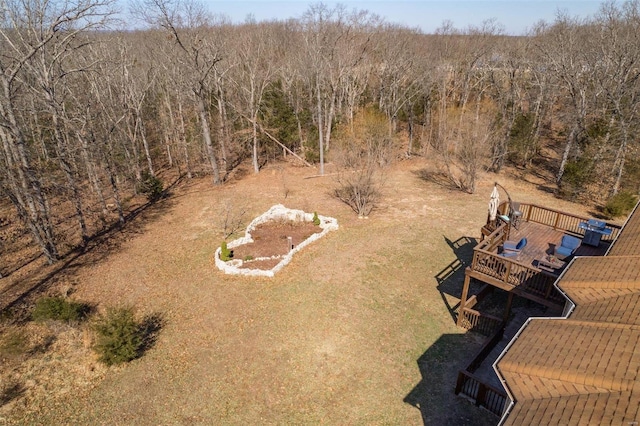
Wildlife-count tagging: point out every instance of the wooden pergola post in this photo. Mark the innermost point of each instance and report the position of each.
(463, 299)
(507, 310)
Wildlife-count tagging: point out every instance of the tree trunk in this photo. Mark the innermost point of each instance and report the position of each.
(206, 136)
(62, 152)
(320, 141)
(27, 189)
(222, 129)
(183, 139)
(330, 115)
(145, 145)
(621, 157)
(93, 178)
(565, 154)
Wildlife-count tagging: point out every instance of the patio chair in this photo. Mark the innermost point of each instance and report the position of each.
(514, 246)
(516, 214)
(568, 246)
(513, 249)
(510, 253)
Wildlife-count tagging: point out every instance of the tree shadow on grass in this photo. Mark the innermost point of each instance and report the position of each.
(436, 177)
(149, 330)
(11, 392)
(435, 395)
(451, 278)
(98, 248)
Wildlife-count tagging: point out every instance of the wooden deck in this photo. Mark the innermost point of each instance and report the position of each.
(541, 241)
(523, 275)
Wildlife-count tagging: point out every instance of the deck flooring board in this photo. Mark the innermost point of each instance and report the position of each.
(542, 240)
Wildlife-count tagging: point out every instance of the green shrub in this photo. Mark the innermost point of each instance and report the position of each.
(59, 309)
(620, 204)
(119, 337)
(316, 219)
(576, 174)
(150, 186)
(225, 253)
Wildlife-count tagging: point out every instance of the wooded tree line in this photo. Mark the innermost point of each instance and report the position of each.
(88, 111)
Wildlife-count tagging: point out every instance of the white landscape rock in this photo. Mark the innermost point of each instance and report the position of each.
(277, 212)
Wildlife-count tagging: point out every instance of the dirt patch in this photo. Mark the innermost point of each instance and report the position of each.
(271, 239)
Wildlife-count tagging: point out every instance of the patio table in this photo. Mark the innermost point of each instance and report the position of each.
(550, 264)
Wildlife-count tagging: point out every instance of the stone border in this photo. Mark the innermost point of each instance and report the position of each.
(274, 213)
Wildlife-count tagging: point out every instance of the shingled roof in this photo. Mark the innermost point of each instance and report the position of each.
(584, 368)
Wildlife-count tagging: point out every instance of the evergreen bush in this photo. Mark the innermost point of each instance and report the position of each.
(225, 253)
(316, 219)
(59, 309)
(620, 204)
(576, 174)
(119, 337)
(151, 186)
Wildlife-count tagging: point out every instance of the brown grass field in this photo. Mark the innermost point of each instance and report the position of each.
(355, 331)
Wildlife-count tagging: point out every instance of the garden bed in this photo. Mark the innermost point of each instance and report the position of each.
(272, 239)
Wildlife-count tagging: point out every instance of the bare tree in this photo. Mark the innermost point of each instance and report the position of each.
(335, 44)
(364, 150)
(618, 76)
(36, 38)
(562, 48)
(188, 24)
(257, 66)
(465, 127)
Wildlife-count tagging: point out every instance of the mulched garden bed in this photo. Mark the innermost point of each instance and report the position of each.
(271, 239)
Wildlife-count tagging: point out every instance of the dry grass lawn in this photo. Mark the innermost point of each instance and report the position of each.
(342, 335)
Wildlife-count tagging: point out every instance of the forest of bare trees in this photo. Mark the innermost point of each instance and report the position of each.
(88, 111)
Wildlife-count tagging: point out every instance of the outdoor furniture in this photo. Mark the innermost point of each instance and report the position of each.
(510, 253)
(550, 264)
(513, 246)
(593, 231)
(568, 245)
(516, 214)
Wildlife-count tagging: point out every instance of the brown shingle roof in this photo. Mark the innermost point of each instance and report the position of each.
(628, 242)
(584, 369)
(617, 408)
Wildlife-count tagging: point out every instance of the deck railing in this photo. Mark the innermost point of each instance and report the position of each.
(482, 394)
(471, 386)
(511, 272)
(563, 221)
(480, 323)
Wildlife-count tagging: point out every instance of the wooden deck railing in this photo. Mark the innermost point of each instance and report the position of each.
(482, 394)
(471, 386)
(560, 220)
(480, 323)
(511, 272)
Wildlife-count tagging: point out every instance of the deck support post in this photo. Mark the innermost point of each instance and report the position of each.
(463, 299)
(507, 310)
